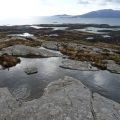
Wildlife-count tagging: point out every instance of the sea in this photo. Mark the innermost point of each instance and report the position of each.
(58, 20)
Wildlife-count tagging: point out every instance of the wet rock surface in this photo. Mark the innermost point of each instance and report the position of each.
(27, 51)
(21, 93)
(65, 99)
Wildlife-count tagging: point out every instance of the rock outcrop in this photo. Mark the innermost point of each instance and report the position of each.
(27, 51)
(77, 65)
(66, 99)
(51, 45)
(113, 67)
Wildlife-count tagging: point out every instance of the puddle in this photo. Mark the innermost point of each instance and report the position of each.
(22, 35)
(54, 28)
(16, 80)
(97, 30)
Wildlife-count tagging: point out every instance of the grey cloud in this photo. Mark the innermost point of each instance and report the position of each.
(98, 1)
(83, 2)
(113, 1)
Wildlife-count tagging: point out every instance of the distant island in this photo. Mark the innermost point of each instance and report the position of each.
(62, 15)
(109, 13)
(104, 13)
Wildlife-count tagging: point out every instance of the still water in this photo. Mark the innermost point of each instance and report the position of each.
(103, 82)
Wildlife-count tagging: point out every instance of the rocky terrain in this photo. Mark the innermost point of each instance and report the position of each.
(67, 98)
(64, 99)
(27, 51)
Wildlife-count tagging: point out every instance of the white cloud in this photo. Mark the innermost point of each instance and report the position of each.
(99, 2)
(23, 8)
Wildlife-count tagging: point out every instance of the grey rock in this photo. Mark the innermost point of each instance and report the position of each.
(8, 104)
(105, 109)
(113, 67)
(31, 70)
(77, 65)
(51, 45)
(53, 51)
(66, 99)
(22, 50)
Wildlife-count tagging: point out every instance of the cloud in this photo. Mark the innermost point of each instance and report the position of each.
(113, 1)
(83, 2)
(25, 8)
(86, 2)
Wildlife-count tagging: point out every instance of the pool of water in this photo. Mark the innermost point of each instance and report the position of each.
(103, 82)
(97, 30)
(22, 35)
(54, 28)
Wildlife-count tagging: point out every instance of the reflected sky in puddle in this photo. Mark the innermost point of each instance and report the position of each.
(54, 28)
(103, 82)
(22, 35)
(97, 30)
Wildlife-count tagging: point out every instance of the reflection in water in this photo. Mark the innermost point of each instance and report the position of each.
(22, 35)
(99, 79)
(103, 82)
(54, 28)
(50, 67)
(97, 30)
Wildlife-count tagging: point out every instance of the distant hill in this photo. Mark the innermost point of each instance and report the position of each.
(105, 13)
(63, 15)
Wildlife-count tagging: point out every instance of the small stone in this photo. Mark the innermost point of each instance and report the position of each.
(31, 70)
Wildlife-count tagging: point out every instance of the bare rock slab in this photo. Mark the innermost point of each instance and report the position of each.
(27, 51)
(77, 65)
(105, 109)
(113, 67)
(65, 99)
(51, 45)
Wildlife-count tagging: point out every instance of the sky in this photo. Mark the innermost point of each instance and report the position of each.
(25, 8)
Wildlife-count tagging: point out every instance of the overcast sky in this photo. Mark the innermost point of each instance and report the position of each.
(24, 8)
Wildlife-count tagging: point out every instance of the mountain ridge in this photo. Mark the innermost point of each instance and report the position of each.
(103, 13)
